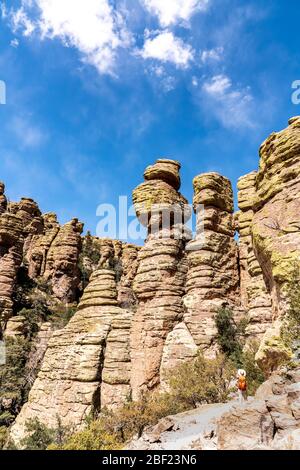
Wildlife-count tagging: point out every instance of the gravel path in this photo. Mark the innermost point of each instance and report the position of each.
(191, 425)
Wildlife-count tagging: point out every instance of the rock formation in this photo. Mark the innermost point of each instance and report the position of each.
(92, 348)
(3, 200)
(160, 279)
(276, 226)
(213, 276)
(62, 261)
(11, 246)
(146, 309)
(255, 295)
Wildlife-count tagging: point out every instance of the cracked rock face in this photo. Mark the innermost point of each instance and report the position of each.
(11, 249)
(276, 224)
(269, 229)
(255, 294)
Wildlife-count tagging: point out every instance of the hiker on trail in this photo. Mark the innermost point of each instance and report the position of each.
(242, 385)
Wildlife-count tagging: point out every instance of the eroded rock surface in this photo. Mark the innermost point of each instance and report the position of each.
(213, 276)
(69, 382)
(160, 280)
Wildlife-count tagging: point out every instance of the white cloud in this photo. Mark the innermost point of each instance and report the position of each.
(218, 86)
(91, 26)
(173, 11)
(233, 107)
(212, 54)
(167, 48)
(14, 43)
(21, 20)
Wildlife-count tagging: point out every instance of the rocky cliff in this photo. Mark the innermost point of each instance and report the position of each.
(146, 309)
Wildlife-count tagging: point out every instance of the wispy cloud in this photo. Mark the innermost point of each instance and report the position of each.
(214, 54)
(231, 105)
(26, 133)
(164, 46)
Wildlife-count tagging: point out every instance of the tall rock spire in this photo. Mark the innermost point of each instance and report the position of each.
(159, 283)
(213, 276)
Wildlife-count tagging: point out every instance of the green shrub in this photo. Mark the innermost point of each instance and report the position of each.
(94, 437)
(13, 385)
(230, 334)
(201, 381)
(231, 340)
(39, 436)
(61, 315)
(3, 436)
(290, 331)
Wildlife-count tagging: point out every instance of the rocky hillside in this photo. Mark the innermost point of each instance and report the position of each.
(139, 312)
(269, 421)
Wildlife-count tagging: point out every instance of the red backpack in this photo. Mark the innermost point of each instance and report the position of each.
(242, 384)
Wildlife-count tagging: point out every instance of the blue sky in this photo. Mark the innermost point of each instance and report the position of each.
(98, 89)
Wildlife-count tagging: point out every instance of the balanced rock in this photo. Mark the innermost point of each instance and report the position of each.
(160, 279)
(62, 261)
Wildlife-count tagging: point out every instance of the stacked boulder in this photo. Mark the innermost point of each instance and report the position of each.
(36, 255)
(62, 261)
(213, 275)
(160, 279)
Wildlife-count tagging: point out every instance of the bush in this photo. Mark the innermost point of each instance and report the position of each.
(201, 381)
(61, 315)
(290, 331)
(230, 334)
(94, 437)
(13, 386)
(231, 339)
(41, 437)
(3, 436)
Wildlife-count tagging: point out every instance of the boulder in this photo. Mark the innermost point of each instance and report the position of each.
(245, 427)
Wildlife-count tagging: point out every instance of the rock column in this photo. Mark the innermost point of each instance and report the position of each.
(160, 279)
(213, 277)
